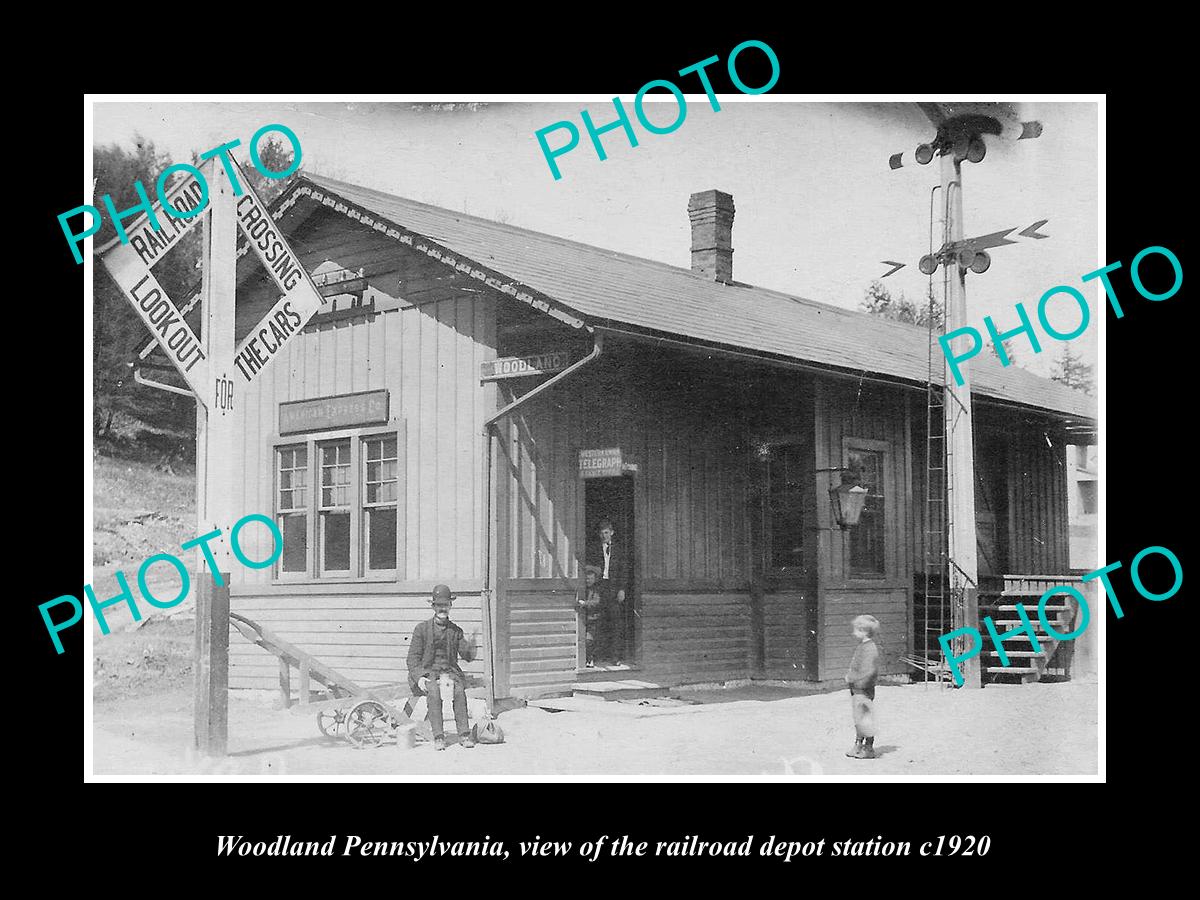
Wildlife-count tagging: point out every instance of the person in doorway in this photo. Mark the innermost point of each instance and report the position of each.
(433, 667)
(589, 605)
(861, 677)
(609, 557)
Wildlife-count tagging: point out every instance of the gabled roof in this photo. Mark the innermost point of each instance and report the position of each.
(604, 285)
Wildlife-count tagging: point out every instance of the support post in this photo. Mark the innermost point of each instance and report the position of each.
(217, 429)
(285, 684)
(212, 667)
(960, 449)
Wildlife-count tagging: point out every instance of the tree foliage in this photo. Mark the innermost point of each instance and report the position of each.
(878, 301)
(1071, 370)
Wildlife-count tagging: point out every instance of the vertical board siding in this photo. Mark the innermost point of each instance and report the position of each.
(428, 359)
(785, 642)
(688, 436)
(874, 413)
(689, 489)
(1038, 529)
(1035, 528)
(869, 412)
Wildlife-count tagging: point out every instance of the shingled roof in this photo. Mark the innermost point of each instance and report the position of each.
(602, 285)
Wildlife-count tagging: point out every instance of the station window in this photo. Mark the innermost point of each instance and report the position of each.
(867, 464)
(293, 508)
(334, 524)
(380, 496)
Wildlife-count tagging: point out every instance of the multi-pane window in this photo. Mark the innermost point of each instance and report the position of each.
(380, 495)
(867, 556)
(293, 508)
(785, 509)
(338, 507)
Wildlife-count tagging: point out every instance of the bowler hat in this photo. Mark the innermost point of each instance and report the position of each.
(441, 594)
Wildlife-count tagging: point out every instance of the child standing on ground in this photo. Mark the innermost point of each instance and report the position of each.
(864, 671)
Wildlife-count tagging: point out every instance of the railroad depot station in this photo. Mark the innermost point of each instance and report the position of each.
(473, 398)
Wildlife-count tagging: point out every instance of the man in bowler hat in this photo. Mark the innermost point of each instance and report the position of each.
(433, 656)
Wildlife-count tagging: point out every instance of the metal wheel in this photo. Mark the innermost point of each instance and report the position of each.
(367, 724)
(329, 721)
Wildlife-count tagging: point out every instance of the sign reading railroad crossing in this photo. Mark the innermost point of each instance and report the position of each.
(300, 301)
(131, 264)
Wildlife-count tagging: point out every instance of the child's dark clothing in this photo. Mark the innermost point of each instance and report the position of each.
(864, 669)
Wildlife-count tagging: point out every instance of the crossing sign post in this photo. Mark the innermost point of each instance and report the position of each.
(217, 369)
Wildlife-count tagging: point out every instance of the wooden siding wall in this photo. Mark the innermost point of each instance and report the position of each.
(839, 606)
(365, 636)
(427, 357)
(1035, 484)
(871, 412)
(1039, 534)
(685, 421)
(691, 482)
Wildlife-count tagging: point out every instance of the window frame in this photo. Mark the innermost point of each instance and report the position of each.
(277, 451)
(362, 506)
(322, 512)
(888, 487)
(314, 571)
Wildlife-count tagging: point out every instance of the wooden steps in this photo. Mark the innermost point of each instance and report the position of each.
(1027, 665)
(626, 689)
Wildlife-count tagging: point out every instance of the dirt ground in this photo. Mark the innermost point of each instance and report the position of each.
(1038, 729)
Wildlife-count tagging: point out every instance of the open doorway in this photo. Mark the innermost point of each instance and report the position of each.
(608, 632)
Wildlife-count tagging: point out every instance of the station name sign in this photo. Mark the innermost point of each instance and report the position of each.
(321, 413)
(521, 366)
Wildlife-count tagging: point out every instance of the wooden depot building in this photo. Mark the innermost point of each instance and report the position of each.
(473, 398)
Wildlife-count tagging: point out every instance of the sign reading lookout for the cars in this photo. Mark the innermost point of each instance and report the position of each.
(131, 265)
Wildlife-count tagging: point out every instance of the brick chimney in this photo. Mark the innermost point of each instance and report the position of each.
(711, 214)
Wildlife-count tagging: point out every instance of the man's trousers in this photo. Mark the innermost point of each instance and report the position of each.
(434, 704)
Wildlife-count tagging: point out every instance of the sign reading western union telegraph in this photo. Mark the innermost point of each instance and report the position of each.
(603, 463)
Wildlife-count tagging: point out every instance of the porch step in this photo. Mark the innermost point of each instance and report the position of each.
(629, 689)
(1013, 608)
(1011, 653)
(1013, 670)
(1003, 625)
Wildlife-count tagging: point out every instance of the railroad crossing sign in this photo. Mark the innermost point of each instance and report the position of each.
(131, 265)
(969, 251)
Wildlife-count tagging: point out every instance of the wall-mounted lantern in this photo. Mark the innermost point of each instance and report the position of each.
(847, 498)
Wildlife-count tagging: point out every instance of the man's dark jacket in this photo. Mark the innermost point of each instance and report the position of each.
(420, 652)
(618, 567)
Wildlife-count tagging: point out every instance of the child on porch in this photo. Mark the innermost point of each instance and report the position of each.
(864, 670)
(589, 603)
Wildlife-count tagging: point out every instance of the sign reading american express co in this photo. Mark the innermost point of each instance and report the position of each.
(521, 366)
(320, 413)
